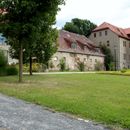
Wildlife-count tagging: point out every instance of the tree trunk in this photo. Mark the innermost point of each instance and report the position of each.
(30, 69)
(21, 63)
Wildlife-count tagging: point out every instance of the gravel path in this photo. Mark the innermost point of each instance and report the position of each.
(19, 115)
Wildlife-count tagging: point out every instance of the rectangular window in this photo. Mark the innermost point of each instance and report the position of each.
(105, 33)
(94, 34)
(100, 34)
(124, 56)
(108, 43)
(124, 43)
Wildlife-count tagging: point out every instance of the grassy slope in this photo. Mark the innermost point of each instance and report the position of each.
(104, 98)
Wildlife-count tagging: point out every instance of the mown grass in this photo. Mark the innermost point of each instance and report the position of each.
(103, 98)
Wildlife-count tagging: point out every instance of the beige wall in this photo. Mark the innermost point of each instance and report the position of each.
(124, 50)
(71, 63)
(115, 45)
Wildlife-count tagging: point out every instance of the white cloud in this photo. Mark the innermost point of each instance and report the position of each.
(98, 11)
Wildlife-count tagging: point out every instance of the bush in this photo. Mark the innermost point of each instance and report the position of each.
(3, 71)
(123, 70)
(3, 59)
(98, 66)
(81, 66)
(112, 66)
(11, 70)
(62, 64)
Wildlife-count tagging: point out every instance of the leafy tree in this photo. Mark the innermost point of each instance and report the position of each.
(47, 46)
(23, 17)
(80, 26)
(3, 59)
(108, 56)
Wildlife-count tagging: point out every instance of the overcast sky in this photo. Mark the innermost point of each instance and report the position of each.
(116, 12)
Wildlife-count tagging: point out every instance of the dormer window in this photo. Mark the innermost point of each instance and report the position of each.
(74, 45)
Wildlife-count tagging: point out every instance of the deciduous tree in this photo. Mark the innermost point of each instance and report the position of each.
(22, 17)
(80, 26)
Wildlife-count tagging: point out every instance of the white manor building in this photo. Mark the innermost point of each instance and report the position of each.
(115, 38)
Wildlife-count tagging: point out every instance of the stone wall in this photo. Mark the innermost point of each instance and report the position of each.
(72, 59)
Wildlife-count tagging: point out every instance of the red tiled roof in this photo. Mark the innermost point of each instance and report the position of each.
(84, 45)
(127, 30)
(119, 31)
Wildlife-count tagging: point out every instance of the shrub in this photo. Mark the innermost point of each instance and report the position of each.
(98, 66)
(3, 71)
(62, 64)
(3, 59)
(11, 70)
(81, 66)
(51, 65)
(112, 66)
(123, 70)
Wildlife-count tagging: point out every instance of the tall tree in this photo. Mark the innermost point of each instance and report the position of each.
(23, 17)
(80, 26)
(108, 56)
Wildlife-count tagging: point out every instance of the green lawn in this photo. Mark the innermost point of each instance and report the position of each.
(103, 98)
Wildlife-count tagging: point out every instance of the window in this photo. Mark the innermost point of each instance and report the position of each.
(94, 34)
(73, 45)
(100, 43)
(96, 60)
(129, 45)
(105, 33)
(124, 43)
(85, 59)
(100, 34)
(108, 43)
(124, 56)
(90, 60)
(129, 57)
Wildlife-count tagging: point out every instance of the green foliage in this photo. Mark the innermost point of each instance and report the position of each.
(36, 67)
(108, 56)
(51, 65)
(99, 66)
(112, 66)
(3, 71)
(3, 59)
(62, 64)
(11, 70)
(81, 66)
(124, 70)
(24, 21)
(80, 26)
(47, 46)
